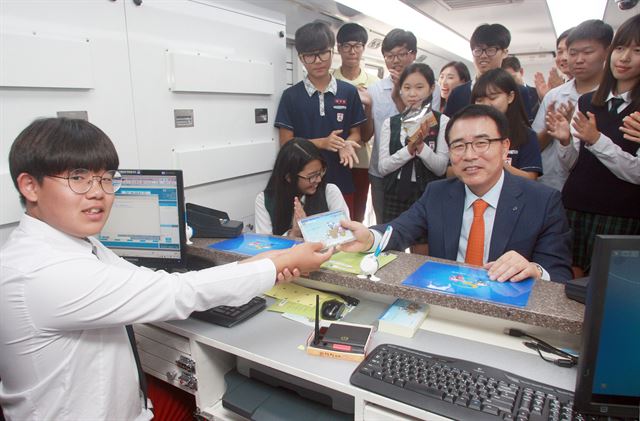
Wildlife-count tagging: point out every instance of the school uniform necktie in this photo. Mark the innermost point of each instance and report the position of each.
(404, 185)
(615, 104)
(475, 244)
(142, 380)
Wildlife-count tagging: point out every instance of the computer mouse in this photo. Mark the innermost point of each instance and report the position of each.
(332, 309)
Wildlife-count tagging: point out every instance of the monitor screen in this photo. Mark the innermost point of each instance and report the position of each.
(608, 380)
(146, 225)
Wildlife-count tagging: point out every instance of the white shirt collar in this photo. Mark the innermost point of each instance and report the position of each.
(40, 228)
(491, 197)
(625, 96)
(311, 89)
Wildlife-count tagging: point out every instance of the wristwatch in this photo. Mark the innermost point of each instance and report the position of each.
(539, 269)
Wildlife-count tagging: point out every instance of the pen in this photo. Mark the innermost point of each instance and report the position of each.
(384, 241)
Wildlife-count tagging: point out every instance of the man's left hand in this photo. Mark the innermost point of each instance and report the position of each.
(513, 267)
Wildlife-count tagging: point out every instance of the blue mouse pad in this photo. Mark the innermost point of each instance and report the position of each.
(252, 244)
(472, 282)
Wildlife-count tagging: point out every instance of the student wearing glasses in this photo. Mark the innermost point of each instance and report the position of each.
(65, 298)
(296, 189)
(399, 50)
(352, 39)
(323, 109)
(489, 45)
(485, 216)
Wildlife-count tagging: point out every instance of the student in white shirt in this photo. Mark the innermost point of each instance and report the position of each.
(65, 298)
(587, 45)
(296, 189)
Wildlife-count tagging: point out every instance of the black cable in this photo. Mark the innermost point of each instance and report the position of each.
(560, 362)
(551, 349)
(352, 301)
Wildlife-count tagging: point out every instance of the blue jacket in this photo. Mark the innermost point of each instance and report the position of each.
(530, 219)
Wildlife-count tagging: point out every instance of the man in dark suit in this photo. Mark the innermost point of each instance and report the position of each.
(489, 46)
(515, 228)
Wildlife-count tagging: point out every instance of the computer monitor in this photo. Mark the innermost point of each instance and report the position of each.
(146, 225)
(608, 380)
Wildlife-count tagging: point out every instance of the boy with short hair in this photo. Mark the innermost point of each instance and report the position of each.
(587, 46)
(352, 40)
(558, 74)
(322, 109)
(489, 45)
(512, 65)
(65, 298)
(399, 50)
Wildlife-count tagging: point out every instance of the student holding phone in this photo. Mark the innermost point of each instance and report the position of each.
(296, 189)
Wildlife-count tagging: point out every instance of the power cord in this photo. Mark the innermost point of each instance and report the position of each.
(567, 360)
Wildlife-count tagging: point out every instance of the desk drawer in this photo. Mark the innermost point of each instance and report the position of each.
(168, 372)
(163, 337)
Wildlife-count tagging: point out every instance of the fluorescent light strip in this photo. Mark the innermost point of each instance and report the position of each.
(567, 14)
(399, 15)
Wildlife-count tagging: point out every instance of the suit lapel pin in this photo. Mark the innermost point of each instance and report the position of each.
(515, 208)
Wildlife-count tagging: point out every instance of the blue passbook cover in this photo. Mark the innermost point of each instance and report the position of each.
(469, 282)
(252, 244)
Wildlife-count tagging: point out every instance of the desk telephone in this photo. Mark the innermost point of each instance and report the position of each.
(211, 223)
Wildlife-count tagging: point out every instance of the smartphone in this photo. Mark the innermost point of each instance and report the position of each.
(325, 228)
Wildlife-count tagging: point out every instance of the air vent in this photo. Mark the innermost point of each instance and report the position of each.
(469, 4)
(375, 43)
(421, 58)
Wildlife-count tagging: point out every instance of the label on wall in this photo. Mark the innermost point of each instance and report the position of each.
(183, 118)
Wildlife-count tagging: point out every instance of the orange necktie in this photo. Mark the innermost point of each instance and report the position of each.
(475, 245)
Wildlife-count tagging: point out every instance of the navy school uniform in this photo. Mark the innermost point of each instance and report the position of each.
(527, 157)
(301, 113)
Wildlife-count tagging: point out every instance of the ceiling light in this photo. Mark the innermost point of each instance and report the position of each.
(567, 14)
(398, 15)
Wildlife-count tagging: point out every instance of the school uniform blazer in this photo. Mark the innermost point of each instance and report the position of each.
(529, 219)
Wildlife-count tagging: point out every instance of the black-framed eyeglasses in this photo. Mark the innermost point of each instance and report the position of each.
(489, 51)
(81, 180)
(479, 146)
(310, 58)
(315, 177)
(347, 47)
(392, 57)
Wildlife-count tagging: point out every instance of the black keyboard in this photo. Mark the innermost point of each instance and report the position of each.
(229, 316)
(460, 389)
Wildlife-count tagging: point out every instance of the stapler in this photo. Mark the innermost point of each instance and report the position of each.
(211, 223)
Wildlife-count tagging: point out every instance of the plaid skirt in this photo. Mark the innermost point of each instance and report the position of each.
(585, 226)
(394, 206)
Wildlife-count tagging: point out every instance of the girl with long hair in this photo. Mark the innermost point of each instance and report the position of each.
(452, 75)
(498, 89)
(600, 153)
(296, 189)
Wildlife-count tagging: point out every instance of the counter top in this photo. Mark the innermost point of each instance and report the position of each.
(548, 306)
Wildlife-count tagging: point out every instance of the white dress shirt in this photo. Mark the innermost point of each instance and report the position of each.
(622, 164)
(555, 174)
(435, 160)
(335, 201)
(64, 351)
(492, 197)
(382, 107)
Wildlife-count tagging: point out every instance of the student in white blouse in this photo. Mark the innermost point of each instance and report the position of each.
(65, 299)
(296, 189)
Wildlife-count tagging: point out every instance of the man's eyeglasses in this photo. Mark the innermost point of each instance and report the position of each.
(489, 51)
(479, 146)
(310, 58)
(346, 47)
(315, 177)
(81, 180)
(400, 56)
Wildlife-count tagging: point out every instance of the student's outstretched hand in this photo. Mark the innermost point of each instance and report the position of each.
(299, 259)
(513, 267)
(365, 98)
(555, 79)
(631, 127)
(364, 237)
(348, 155)
(585, 127)
(333, 142)
(298, 214)
(558, 127)
(541, 85)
